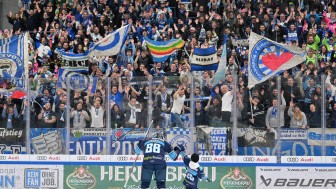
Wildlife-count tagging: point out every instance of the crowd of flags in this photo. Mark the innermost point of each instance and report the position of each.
(266, 58)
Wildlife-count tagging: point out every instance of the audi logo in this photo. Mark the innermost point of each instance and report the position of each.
(81, 158)
(2, 157)
(333, 159)
(206, 159)
(292, 159)
(248, 159)
(122, 158)
(41, 158)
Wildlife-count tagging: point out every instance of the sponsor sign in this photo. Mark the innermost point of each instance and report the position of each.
(49, 158)
(330, 159)
(88, 158)
(301, 159)
(315, 137)
(217, 159)
(293, 134)
(103, 176)
(81, 178)
(242, 178)
(41, 178)
(295, 177)
(13, 157)
(256, 159)
(31, 176)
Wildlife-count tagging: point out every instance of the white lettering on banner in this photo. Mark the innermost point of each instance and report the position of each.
(293, 134)
(294, 177)
(301, 159)
(122, 173)
(94, 147)
(6, 132)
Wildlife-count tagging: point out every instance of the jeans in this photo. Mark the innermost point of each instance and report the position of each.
(175, 118)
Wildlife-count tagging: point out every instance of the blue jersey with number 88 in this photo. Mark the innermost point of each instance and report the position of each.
(155, 150)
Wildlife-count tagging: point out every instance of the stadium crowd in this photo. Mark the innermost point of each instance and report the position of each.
(73, 25)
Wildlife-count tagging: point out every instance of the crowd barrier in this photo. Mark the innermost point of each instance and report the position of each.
(83, 131)
(106, 172)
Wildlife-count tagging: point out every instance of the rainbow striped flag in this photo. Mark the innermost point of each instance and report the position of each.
(161, 50)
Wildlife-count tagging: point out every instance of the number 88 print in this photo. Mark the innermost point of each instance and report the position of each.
(151, 147)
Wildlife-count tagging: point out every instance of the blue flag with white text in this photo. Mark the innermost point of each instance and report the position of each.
(204, 59)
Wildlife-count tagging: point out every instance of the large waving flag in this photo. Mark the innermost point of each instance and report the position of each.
(111, 44)
(13, 56)
(78, 78)
(267, 58)
(204, 59)
(221, 70)
(161, 50)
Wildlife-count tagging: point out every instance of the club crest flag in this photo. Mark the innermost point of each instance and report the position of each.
(161, 50)
(204, 59)
(111, 44)
(14, 58)
(267, 58)
(78, 79)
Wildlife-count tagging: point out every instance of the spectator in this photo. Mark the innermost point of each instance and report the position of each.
(272, 120)
(256, 113)
(47, 117)
(314, 117)
(80, 117)
(117, 117)
(61, 115)
(97, 112)
(10, 117)
(163, 102)
(178, 108)
(297, 117)
(133, 114)
(226, 105)
(214, 111)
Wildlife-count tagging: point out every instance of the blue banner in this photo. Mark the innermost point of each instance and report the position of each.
(47, 140)
(92, 141)
(288, 148)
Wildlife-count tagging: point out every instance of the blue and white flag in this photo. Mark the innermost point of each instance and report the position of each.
(13, 55)
(204, 59)
(221, 71)
(267, 58)
(73, 56)
(78, 79)
(111, 44)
